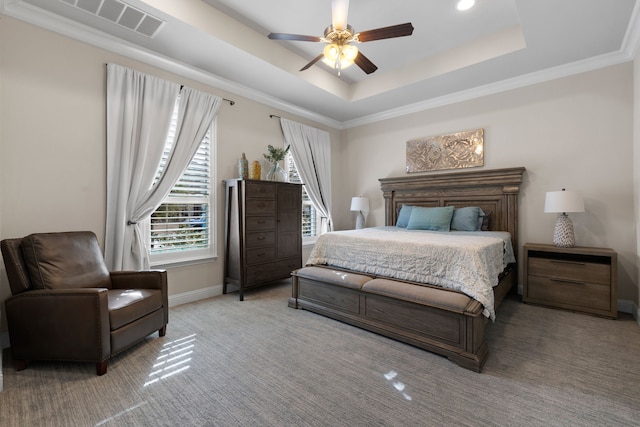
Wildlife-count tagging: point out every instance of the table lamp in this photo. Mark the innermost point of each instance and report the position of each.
(359, 204)
(562, 202)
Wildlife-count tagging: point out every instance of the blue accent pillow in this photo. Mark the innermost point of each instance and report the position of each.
(466, 219)
(482, 217)
(403, 216)
(435, 219)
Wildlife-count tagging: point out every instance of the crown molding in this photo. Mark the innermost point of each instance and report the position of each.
(631, 41)
(549, 74)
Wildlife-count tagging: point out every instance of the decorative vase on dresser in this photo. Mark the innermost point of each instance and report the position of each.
(276, 173)
(263, 232)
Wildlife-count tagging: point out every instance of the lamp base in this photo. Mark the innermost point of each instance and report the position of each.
(359, 221)
(563, 235)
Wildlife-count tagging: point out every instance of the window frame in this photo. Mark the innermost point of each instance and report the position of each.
(193, 256)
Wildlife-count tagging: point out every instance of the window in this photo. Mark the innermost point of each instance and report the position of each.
(182, 226)
(311, 221)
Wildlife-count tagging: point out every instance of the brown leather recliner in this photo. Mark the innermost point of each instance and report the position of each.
(66, 305)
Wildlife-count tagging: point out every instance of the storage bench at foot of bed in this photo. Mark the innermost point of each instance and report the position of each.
(436, 319)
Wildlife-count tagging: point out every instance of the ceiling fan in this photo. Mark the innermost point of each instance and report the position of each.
(340, 51)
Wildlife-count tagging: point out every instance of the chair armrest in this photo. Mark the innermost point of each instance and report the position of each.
(60, 324)
(148, 279)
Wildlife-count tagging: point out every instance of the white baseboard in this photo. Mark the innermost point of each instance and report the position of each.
(186, 297)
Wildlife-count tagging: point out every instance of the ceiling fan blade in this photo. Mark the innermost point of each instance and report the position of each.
(294, 37)
(339, 12)
(316, 59)
(365, 64)
(399, 30)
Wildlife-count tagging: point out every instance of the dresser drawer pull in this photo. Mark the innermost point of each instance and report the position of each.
(567, 262)
(261, 238)
(261, 222)
(261, 254)
(575, 282)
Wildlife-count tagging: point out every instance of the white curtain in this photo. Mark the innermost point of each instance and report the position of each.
(139, 110)
(311, 151)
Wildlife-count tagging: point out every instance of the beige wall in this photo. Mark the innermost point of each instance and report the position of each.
(574, 132)
(52, 141)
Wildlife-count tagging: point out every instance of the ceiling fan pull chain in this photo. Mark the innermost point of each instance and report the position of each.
(338, 60)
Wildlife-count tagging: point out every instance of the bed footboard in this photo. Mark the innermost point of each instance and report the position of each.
(442, 321)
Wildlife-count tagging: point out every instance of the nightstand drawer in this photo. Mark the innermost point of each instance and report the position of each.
(569, 293)
(570, 270)
(582, 279)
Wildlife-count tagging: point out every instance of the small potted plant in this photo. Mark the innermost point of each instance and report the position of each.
(276, 173)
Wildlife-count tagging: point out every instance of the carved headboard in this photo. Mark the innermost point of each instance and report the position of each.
(494, 191)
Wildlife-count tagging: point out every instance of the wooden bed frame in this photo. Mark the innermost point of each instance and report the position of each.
(440, 320)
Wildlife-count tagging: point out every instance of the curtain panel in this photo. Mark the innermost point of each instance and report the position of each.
(139, 111)
(311, 151)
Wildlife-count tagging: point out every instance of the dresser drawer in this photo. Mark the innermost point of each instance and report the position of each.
(570, 270)
(255, 240)
(568, 293)
(260, 223)
(260, 207)
(260, 190)
(286, 266)
(257, 274)
(258, 255)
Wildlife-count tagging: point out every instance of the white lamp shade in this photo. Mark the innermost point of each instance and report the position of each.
(359, 204)
(563, 201)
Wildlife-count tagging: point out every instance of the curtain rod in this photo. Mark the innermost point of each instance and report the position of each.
(230, 101)
(274, 116)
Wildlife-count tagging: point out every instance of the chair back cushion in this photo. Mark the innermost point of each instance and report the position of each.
(16, 268)
(65, 260)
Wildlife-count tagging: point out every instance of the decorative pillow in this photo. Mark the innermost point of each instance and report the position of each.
(480, 219)
(403, 216)
(485, 221)
(435, 219)
(466, 219)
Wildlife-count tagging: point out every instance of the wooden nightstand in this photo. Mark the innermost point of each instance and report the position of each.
(578, 279)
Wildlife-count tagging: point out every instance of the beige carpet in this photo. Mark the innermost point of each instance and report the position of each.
(260, 363)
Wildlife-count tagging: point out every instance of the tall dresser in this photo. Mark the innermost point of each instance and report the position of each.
(263, 232)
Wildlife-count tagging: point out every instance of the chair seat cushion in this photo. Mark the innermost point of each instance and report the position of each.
(129, 305)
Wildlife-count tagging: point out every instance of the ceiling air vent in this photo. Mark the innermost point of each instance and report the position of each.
(120, 13)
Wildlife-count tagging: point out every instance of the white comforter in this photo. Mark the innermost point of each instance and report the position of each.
(467, 262)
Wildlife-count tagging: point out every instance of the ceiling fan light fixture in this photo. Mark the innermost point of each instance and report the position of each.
(340, 50)
(465, 4)
(339, 56)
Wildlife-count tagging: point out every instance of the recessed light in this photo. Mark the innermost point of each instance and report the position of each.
(465, 4)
